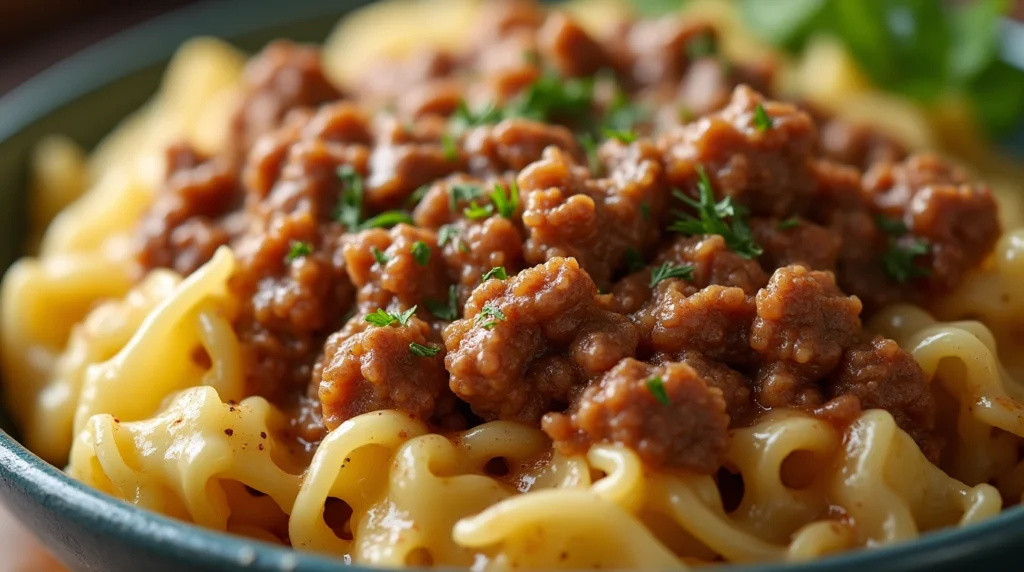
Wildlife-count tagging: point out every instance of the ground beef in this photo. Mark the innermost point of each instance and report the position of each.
(528, 343)
(689, 431)
(475, 247)
(936, 203)
(857, 144)
(768, 171)
(282, 77)
(375, 369)
(569, 48)
(400, 281)
(598, 222)
(735, 387)
(881, 375)
(714, 263)
(803, 324)
(513, 144)
(182, 229)
(715, 321)
(795, 241)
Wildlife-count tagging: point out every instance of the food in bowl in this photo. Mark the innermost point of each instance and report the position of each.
(491, 285)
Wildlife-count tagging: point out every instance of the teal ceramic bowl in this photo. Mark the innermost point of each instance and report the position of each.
(84, 97)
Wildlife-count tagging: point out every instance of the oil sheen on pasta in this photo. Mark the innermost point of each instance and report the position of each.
(494, 286)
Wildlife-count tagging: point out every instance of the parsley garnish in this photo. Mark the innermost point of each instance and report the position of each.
(387, 219)
(552, 96)
(420, 252)
(622, 115)
(449, 312)
(891, 226)
(620, 135)
(458, 192)
(496, 272)
(506, 203)
(669, 270)
(299, 249)
(464, 117)
(475, 211)
(417, 196)
(590, 148)
(379, 256)
(445, 233)
(421, 350)
(657, 388)
(711, 219)
(383, 319)
(634, 261)
(898, 260)
(791, 222)
(489, 317)
(451, 151)
(350, 205)
(762, 120)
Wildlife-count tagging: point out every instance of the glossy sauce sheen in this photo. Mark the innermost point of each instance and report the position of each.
(579, 338)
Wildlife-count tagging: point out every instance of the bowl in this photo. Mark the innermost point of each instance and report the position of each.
(84, 97)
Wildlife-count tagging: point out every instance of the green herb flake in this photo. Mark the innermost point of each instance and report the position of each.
(506, 202)
(387, 219)
(421, 350)
(476, 212)
(898, 260)
(450, 149)
(465, 118)
(446, 233)
(496, 272)
(417, 196)
(789, 223)
(722, 218)
(622, 136)
(299, 249)
(449, 311)
(552, 97)
(657, 388)
(891, 226)
(634, 261)
(379, 256)
(762, 120)
(350, 206)
(459, 192)
(593, 159)
(403, 318)
(669, 270)
(489, 317)
(420, 252)
(645, 211)
(381, 319)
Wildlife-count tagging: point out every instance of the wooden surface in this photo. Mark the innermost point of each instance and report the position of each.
(20, 551)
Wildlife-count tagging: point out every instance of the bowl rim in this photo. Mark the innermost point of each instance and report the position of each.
(152, 42)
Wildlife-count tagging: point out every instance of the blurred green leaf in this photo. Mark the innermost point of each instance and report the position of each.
(997, 97)
(781, 22)
(974, 27)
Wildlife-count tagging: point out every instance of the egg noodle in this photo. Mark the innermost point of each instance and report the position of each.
(97, 374)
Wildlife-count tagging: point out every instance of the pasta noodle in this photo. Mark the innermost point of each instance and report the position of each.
(137, 381)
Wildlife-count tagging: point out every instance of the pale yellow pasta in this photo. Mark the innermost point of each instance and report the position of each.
(137, 380)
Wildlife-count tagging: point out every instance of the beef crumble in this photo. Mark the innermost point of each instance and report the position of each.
(620, 239)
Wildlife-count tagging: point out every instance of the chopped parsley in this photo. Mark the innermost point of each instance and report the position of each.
(786, 224)
(451, 151)
(634, 261)
(350, 205)
(383, 319)
(445, 233)
(448, 312)
(379, 256)
(590, 147)
(506, 203)
(898, 258)
(551, 96)
(762, 120)
(723, 218)
(417, 196)
(657, 388)
(489, 317)
(669, 270)
(421, 350)
(420, 252)
(620, 135)
(622, 115)
(387, 219)
(299, 249)
(459, 192)
(496, 272)
(475, 211)
(464, 118)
